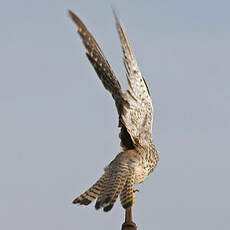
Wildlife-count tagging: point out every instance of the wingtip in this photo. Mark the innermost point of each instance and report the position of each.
(73, 15)
(75, 19)
(70, 13)
(114, 10)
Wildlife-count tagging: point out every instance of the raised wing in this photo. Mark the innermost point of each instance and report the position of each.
(135, 106)
(99, 62)
(105, 73)
(138, 114)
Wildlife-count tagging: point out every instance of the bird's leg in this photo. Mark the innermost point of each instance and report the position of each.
(129, 224)
(133, 198)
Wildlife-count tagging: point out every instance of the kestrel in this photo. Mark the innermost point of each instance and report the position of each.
(139, 156)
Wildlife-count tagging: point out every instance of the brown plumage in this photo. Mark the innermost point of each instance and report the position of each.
(126, 196)
(139, 156)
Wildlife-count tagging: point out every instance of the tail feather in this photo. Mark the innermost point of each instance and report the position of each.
(126, 196)
(91, 194)
(107, 189)
(103, 188)
(117, 193)
(112, 188)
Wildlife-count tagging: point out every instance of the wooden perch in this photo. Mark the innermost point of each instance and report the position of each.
(128, 224)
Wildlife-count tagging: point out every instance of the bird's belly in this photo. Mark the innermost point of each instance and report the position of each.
(140, 174)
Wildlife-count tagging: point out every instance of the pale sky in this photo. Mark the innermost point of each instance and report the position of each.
(58, 126)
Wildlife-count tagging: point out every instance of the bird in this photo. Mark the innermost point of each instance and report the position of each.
(139, 156)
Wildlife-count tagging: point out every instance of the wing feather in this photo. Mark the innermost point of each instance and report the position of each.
(138, 115)
(135, 106)
(99, 62)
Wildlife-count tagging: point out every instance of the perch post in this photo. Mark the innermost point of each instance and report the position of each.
(128, 224)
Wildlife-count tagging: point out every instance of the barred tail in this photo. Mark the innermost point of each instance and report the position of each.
(116, 194)
(126, 196)
(107, 189)
(91, 194)
(115, 181)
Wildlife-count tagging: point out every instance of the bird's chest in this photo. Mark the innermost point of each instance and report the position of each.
(140, 174)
